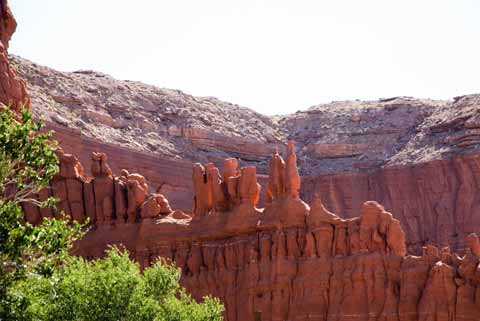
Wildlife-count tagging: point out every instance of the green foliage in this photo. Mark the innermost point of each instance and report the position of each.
(114, 289)
(27, 157)
(27, 164)
(40, 281)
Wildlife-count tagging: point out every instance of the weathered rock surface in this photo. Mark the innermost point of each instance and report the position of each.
(12, 88)
(345, 136)
(157, 121)
(292, 260)
(365, 136)
(435, 201)
(171, 177)
(287, 261)
(417, 157)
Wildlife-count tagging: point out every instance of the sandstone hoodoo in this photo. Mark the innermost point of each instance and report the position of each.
(288, 261)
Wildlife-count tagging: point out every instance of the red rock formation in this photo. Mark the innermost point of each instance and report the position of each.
(173, 178)
(103, 188)
(357, 142)
(8, 25)
(212, 194)
(68, 186)
(289, 261)
(12, 88)
(436, 201)
(284, 207)
(154, 206)
(104, 198)
(292, 178)
(276, 179)
(137, 193)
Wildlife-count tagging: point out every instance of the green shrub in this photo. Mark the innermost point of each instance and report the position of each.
(114, 289)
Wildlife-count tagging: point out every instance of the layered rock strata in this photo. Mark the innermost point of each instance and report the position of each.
(415, 156)
(288, 261)
(435, 201)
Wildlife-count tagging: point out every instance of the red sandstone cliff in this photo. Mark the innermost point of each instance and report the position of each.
(288, 261)
(291, 261)
(12, 88)
(417, 157)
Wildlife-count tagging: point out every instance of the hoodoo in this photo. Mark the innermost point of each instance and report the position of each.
(288, 261)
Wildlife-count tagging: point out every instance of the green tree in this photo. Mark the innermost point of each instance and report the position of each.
(27, 164)
(114, 289)
(39, 280)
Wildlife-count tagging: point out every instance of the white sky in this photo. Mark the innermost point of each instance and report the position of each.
(274, 56)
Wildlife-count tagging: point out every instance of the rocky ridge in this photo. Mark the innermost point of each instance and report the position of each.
(419, 158)
(346, 136)
(145, 118)
(358, 136)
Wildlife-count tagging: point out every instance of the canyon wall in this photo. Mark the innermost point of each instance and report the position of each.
(435, 201)
(171, 177)
(288, 261)
(415, 156)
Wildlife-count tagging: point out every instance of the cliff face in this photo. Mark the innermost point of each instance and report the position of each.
(437, 202)
(417, 157)
(364, 136)
(288, 261)
(171, 177)
(12, 88)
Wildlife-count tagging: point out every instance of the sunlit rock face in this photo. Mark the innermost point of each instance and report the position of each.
(288, 261)
(417, 157)
(12, 88)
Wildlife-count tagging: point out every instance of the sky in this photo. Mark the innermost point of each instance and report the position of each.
(274, 56)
